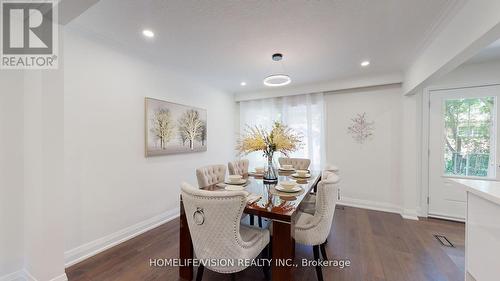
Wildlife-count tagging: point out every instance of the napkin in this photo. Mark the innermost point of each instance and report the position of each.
(251, 198)
(234, 187)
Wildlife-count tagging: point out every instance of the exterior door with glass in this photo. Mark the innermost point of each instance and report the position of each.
(462, 144)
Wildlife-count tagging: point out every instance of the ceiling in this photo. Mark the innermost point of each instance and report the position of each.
(222, 43)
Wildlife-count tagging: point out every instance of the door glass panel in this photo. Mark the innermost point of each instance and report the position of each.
(469, 137)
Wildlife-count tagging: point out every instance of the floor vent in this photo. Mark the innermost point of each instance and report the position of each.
(444, 241)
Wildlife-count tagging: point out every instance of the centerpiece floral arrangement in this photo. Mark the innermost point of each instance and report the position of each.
(280, 138)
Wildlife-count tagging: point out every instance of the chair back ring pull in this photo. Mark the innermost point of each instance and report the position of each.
(199, 216)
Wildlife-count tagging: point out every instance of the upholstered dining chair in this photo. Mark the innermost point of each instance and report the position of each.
(238, 167)
(329, 168)
(313, 229)
(297, 163)
(214, 224)
(210, 175)
(332, 168)
(308, 204)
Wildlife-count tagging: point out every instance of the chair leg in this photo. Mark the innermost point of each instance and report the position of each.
(266, 255)
(199, 275)
(251, 219)
(233, 276)
(260, 221)
(323, 251)
(319, 273)
(270, 247)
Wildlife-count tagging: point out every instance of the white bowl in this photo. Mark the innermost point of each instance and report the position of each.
(287, 167)
(259, 170)
(288, 184)
(234, 178)
(302, 173)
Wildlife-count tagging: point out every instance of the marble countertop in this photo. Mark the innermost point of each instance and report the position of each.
(488, 190)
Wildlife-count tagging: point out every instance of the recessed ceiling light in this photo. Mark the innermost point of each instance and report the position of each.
(365, 63)
(148, 33)
(277, 80)
(243, 83)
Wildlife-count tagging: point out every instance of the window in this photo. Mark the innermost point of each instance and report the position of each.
(303, 113)
(469, 137)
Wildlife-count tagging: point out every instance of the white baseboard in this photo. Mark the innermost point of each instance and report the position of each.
(61, 277)
(371, 205)
(28, 276)
(410, 214)
(90, 249)
(24, 275)
(14, 276)
(378, 206)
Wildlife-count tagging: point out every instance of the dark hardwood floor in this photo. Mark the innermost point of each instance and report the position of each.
(380, 246)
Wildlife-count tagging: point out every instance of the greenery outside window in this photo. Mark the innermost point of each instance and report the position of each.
(469, 137)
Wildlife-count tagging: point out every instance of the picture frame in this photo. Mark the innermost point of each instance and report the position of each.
(172, 128)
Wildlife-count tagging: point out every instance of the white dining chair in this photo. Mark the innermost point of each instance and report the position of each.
(216, 232)
(238, 167)
(297, 163)
(329, 168)
(210, 175)
(332, 168)
(313, 229)
(308, 204)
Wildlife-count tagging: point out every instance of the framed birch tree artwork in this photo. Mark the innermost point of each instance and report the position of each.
(174, 128)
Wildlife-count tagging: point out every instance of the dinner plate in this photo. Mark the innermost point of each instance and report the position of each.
(234, 187)
(296, 188)
(288, 170)
(296, 175)
(240, 182)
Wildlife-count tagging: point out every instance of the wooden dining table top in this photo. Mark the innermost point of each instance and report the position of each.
(274, 204)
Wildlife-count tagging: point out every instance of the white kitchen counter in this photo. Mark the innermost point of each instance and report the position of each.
(482, 224)
(489, 190)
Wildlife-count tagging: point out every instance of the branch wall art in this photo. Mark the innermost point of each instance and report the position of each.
(361, 130)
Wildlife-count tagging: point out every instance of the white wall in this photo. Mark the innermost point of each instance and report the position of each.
(411, 131)
(43, 175)
(470, 75)
(31, 175)
(11, 172)
(371, 171)
(111, 188)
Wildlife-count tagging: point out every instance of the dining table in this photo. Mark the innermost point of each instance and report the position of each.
(276, 206)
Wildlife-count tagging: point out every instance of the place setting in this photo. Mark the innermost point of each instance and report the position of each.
(238, 183)
(301, 174)
(258, 172)
(287, 188)
(234, 183)
(286, 168)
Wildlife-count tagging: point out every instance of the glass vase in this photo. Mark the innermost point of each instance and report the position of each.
(271, 173)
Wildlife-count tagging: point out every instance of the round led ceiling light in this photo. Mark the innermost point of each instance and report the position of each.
(277, 80)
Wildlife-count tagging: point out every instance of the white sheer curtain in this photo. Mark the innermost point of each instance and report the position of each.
(303, 113)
